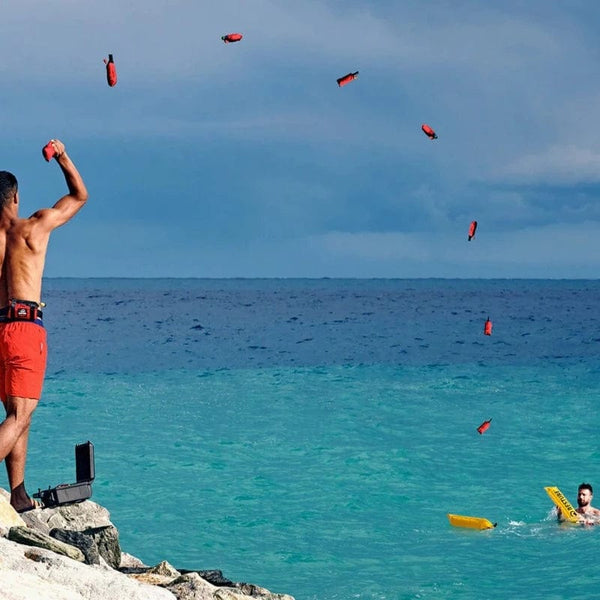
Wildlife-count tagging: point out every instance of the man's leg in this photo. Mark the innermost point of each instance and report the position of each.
(14, 435)
(23, 350)
(15, 468)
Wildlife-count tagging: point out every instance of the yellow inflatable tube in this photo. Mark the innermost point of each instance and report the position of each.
(567, 510)
(470, 522)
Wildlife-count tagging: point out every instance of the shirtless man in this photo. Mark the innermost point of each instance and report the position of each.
(589, 514)
(23, 244)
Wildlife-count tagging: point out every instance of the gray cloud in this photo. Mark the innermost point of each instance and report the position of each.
(512, 91)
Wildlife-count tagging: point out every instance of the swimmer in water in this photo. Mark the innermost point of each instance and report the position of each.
(589, 514)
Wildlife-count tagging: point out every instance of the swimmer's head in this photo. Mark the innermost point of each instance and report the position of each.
(584, 494)
(8, 188)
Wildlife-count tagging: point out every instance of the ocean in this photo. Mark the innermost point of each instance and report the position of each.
(311, 436)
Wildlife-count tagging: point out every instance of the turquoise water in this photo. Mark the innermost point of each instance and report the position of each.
(333, 481)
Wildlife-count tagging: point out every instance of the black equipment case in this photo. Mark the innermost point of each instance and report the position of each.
(70, 493)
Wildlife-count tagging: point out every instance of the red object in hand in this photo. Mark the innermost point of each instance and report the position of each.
(484, 426)
(48, 151)
(111, 71)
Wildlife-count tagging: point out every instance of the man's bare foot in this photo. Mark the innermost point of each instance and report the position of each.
(20, 500)
(31, 505)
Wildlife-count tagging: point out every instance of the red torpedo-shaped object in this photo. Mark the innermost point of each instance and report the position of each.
(484, 426)
(342, 81)
(429, 132)
(111, 71)
(232, 37)
(472, 230)
(487, 328)
(48, 151)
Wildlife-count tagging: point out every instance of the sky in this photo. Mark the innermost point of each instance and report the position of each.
(247, 160)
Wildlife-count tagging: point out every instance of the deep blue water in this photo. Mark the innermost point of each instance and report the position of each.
(146, 325)
(310, 436)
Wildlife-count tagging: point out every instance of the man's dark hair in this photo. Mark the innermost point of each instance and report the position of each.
(8, 187)
(585, 486)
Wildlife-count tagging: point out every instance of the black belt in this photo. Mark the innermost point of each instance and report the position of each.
(20, 310)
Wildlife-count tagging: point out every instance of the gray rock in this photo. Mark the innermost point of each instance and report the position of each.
(254, 591)
(35, 520)
(234, 590)
(128, 561)
(213, 576)
(31, 537)
(165, 569)
(192, 587)
(87, 518)
(80, 540)
(161, 574)
(106, 540)
(36, 556)
(229, 594)
(75, 517)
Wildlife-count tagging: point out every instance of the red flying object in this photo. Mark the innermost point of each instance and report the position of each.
(472, 230)
(232, 37)
(111, 71)
(484, 426)
(487, 329)
(430, 133)
(347, 79)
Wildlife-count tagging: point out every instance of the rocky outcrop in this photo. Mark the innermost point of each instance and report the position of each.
(80, 540)
(31, 537)
(27, 573)
(73, 553)
(199, 585)
(192, 587)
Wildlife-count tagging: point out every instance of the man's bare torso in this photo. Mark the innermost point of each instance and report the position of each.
(23, 249)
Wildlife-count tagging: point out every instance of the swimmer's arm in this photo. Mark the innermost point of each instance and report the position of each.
(594, 517)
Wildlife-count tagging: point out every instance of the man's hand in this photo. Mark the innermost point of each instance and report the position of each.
(59, 148)
(53, 149)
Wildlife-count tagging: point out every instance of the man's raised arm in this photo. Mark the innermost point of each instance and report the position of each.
(67, 206)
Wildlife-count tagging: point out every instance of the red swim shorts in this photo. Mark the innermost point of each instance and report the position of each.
(23, 353)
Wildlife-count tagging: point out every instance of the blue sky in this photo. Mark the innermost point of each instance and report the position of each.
(247, 160)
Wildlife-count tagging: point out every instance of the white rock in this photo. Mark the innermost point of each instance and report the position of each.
(129, 561)
(9, 517)
(27, 573)
(75, 517)
(192, 587)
